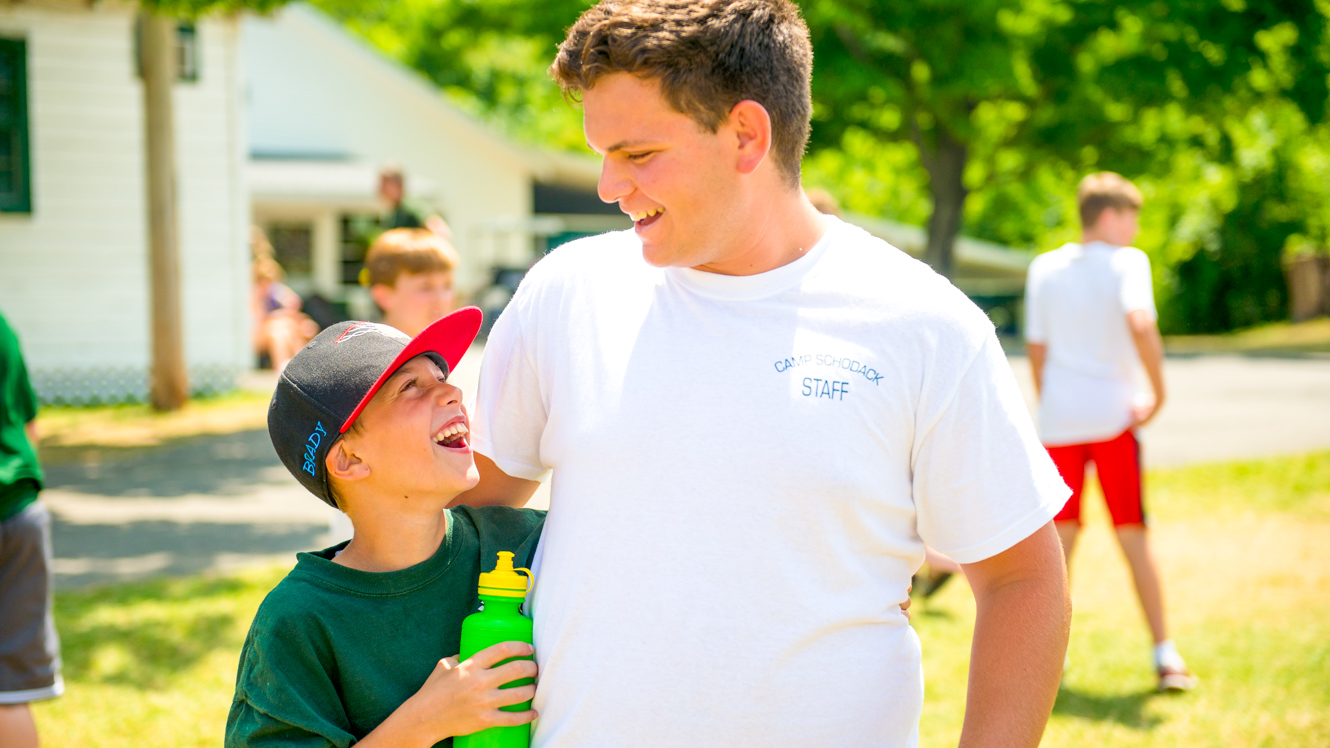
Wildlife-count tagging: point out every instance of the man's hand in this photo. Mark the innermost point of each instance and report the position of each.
(461, 698)
(1020, 638)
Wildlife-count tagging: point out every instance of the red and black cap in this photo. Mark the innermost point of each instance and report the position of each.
(326, 386)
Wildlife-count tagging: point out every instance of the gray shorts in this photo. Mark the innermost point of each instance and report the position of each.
(29, 647)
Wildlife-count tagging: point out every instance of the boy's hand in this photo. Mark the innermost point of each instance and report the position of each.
(1145, 412)
(461, 698)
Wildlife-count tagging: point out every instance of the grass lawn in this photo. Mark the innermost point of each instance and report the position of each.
(1312, 336)
(1241, 546)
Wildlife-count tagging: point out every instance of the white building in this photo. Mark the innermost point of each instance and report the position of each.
(326, 111)
(73, 234)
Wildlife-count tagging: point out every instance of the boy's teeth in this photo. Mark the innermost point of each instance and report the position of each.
(645, 214)
(450, 432)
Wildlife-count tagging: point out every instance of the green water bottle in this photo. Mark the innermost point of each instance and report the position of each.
(499, 620)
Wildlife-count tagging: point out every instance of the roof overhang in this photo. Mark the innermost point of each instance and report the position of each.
(982, 268)
(321, 180)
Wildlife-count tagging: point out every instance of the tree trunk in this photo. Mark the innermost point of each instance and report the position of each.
(945, 162)
(168, 382)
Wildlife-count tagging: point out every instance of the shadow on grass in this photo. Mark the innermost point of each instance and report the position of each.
(182, 547)
(1124, 709)
(143, 635)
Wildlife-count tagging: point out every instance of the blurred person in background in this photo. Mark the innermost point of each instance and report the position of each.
(1090, 326)
(279, 327)
(392, 193)
(410, 277)
(29, 646)
(399, 215)
(825, 202)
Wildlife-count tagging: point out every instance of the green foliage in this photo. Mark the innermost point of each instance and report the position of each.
(1211, 107)
(1222, 261)
(195, 8)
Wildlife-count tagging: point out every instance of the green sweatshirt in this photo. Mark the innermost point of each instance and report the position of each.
(20, 473)
(333, 651)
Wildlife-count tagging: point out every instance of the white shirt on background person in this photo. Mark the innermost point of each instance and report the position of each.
(1077, 299)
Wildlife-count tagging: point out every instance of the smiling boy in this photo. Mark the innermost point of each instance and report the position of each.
(355, 644)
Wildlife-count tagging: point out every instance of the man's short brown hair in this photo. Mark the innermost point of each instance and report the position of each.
(708, 56)
(1103, 190)
(407, 251)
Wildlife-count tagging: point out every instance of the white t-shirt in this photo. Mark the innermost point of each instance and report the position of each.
(745, 472)
(1076, 302)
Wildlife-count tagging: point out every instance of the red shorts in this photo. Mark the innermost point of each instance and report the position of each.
(1118, 463)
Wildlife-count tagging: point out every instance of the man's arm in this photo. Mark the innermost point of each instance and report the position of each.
(496, 487)
(1038, 353)
(1150, 347)
(1020, 639)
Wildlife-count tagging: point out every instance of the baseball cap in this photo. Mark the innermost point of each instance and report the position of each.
(326, 386)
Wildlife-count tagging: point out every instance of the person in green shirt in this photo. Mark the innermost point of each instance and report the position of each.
(29, 646)
(355, 645)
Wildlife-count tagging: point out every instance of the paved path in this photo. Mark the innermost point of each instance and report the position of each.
(213, 503)
(1223, 407)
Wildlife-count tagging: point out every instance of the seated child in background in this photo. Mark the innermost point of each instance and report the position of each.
(410, 277)
(355, 644)
(279, 327)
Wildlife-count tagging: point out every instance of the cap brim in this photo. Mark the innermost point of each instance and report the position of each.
(449, 337)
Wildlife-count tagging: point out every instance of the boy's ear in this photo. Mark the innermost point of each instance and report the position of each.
(344, 464)
(383, 296)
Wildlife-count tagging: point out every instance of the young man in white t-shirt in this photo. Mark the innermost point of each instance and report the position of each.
(755, 417)
(1090, 326)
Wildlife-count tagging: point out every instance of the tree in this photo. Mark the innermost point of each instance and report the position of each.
(168, 379)
(978, 86)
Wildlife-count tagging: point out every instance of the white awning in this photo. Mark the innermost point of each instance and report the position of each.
(323, 181)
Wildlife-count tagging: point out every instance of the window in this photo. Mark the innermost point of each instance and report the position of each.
(187, 40)
(15, 175)
(187, 51)
(292, 244)
(358, 232)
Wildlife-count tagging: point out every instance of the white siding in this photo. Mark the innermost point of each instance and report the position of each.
(73, 273)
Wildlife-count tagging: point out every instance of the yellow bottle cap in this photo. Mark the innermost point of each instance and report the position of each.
(505, 581)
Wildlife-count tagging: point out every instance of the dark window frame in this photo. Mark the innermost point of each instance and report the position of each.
(14, 124)
(187, 52)
(188, 58)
